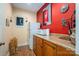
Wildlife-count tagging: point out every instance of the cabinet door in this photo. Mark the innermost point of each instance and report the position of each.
(49, 49)
(61, 51)
(34, 44)
(39, 51)
(39, 46)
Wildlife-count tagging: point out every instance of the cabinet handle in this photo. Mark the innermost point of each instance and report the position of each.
(2, 43)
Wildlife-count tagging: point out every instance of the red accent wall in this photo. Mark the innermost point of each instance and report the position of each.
(56, 26)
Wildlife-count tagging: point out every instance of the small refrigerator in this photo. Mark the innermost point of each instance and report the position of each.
(33, 27)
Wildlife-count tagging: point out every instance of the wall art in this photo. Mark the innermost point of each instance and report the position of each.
(19, 21)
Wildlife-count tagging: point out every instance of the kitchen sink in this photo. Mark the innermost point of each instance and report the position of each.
(65, 37)
(72, 40)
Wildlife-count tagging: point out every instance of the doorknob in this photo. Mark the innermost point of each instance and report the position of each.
(2, 43)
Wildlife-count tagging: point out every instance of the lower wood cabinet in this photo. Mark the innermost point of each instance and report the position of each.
(39, 46)
(49, 49)
(39, 51)
(43, 47)
(35, 44)
(61, 51)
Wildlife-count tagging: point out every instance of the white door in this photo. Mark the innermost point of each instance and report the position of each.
(2, 22)
(2, 47)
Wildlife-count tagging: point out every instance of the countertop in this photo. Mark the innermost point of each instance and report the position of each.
(54, 39)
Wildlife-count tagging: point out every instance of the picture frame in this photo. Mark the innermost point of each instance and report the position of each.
(7, 22)
(19, 21)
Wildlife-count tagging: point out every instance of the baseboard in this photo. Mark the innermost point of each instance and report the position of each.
(6, 53)
(22, 44)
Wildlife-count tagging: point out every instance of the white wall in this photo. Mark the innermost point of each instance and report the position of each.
(8, 30)
(22, 33)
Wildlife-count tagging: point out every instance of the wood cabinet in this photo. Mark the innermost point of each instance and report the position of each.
(39, 46)
(62, 51)
(42, 47)
(49, 49)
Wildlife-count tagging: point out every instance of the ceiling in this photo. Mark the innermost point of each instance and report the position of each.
(33, 7)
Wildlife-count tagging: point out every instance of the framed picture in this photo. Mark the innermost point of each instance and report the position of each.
(45, 17)
(19, 21)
